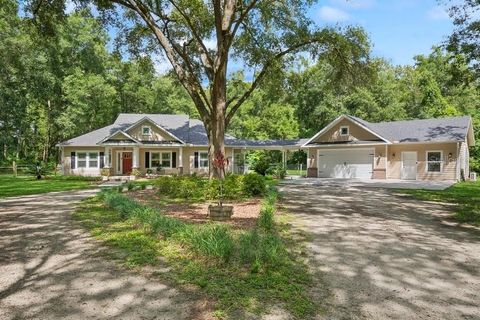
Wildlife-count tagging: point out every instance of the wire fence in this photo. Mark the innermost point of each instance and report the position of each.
(296, 169)
(12, 170)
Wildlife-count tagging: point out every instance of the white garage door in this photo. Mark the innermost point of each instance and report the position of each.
(345, 164)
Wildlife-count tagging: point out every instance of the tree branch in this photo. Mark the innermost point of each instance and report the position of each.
(168, 46)
(260, 77)
(204, 55)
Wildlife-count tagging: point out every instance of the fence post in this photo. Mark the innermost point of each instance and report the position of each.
(14, 168)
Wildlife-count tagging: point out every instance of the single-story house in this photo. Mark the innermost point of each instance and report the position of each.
(139, 142)
(349, 147)
(429, 149)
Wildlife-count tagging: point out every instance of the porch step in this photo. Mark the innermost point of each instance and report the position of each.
(119, 178)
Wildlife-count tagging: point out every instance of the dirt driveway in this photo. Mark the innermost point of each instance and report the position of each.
(50, 268)
(380, 256)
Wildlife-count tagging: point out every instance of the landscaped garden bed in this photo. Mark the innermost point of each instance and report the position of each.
(245, 212)
(242, 268)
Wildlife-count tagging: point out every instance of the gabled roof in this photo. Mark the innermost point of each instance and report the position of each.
(158, 126)
(180, 127)
(452, 129)
(352, 119)
(119, 132)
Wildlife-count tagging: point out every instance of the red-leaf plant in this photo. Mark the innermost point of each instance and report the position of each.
(220, 162)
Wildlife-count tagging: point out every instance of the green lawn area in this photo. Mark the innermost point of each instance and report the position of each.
(465, 194)
(25, 185)
(294, 172)
(240, 271)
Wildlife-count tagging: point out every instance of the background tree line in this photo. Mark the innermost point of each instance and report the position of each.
(60, 84)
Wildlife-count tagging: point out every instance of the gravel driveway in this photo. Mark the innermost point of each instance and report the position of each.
(50, 268)
(381, 256)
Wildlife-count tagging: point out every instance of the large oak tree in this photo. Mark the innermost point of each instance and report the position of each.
(200, 37)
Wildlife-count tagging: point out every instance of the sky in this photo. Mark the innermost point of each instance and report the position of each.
(398, 29)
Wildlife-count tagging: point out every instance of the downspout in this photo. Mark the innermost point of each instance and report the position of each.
(457, 169)
(386, 161)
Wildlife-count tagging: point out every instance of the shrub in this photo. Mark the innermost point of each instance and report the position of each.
(260, 164)
(130, 185)
(254, 184)
(185, 187)
(232, 188)
(279, 171)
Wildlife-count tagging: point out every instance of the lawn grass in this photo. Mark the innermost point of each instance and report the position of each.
(25, 185)
(296, 172)
(465, 194)
(242, 271)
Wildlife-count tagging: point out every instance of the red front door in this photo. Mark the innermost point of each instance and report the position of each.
(127, 162)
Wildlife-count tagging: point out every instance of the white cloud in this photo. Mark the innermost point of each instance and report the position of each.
(355, 4)
(437, 13)
(331, 14)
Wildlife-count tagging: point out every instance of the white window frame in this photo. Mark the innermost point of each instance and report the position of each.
(200, 160)
(427, 162)
(348, 131)
(87, 159)
(149, 131)
(161, 158)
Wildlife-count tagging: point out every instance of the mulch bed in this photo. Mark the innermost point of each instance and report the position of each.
(245, 213)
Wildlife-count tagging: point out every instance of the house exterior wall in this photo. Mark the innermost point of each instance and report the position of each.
(355, 133)
(394, 167)
(387, 166)
(157, 134)
(188, 160)
(66, 163)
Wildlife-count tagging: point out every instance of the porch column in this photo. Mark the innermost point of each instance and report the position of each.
(136, 157)
(244, 163)
(284, 157)
(108, 151)
(233, 161)
(180, 160)
(63, 160)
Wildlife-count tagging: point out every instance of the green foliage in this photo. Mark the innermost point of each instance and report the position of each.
(211, 239)
(261, 161)
(254, 184)
(242, 271)
(279, 171)
(39, 169)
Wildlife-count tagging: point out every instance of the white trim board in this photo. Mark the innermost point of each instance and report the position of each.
(156, 125)
(334, 122)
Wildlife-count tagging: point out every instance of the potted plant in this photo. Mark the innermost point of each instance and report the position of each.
(220, 212)
(105, 173)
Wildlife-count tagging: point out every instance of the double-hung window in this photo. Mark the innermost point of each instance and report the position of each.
(88, 160)
(203, 159)
(161, 159)
(434, 161)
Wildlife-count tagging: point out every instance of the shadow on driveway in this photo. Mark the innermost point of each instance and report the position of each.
(50, 268)
(382, 256)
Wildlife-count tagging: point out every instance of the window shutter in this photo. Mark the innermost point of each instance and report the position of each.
(174, 159)
(195, 160)
(147, 159)
(72, 160)
(102, 159)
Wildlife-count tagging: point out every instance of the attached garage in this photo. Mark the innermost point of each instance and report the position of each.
(345, 163)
